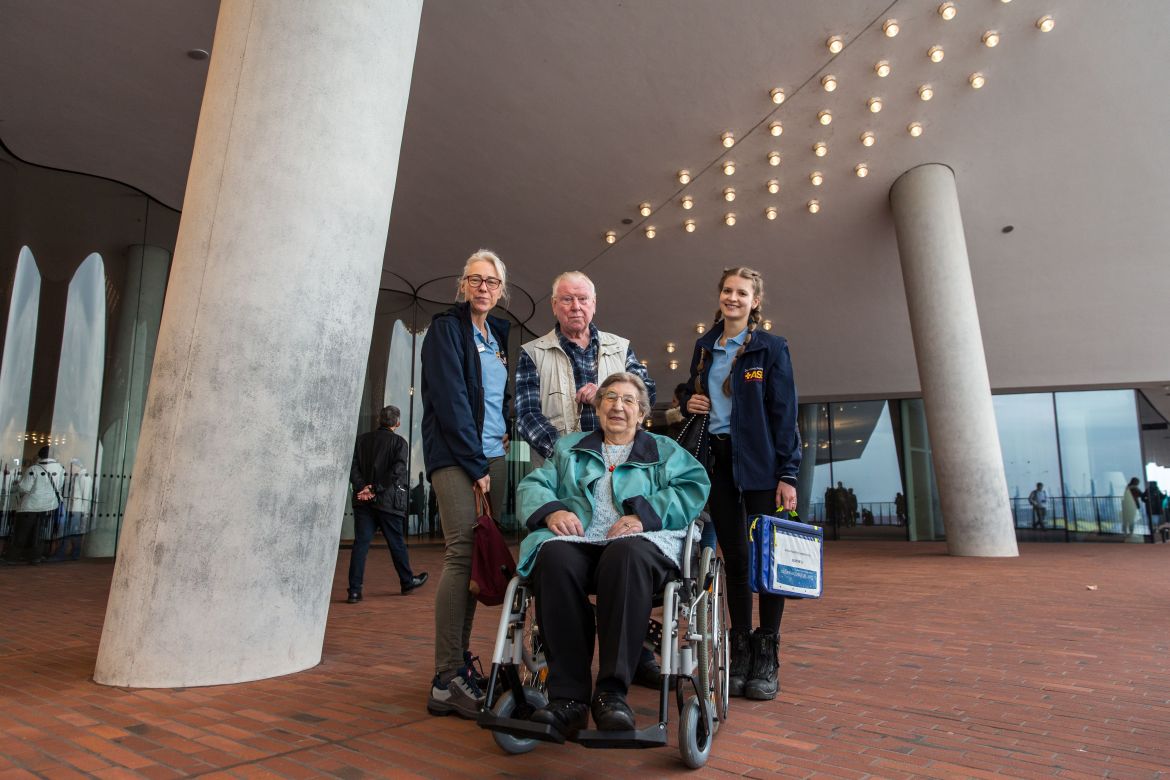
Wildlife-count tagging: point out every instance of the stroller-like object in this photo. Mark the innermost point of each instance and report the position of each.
(692, 641)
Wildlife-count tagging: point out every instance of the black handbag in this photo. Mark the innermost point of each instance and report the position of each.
(695, 439)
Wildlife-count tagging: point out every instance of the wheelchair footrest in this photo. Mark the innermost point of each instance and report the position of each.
(649, 737)
(521, 729)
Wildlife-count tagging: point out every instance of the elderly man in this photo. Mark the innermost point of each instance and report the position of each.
(556, 383)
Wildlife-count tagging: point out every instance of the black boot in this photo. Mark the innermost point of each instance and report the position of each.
(763, 678)
(741, 660)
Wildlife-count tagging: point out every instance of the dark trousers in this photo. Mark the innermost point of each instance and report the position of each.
(365, 519)
(25, 541)
(625, 575)
(730, 509)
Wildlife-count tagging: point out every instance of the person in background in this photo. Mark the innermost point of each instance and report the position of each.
(1038, 498)
(1131, 505)
(79, 503)
(40, 495)
(465, 403)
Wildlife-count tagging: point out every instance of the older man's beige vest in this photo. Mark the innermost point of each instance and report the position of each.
(558, 391)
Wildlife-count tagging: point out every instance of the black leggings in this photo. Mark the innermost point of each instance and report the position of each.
(730, 508)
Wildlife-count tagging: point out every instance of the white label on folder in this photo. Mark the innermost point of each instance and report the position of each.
(797, 563)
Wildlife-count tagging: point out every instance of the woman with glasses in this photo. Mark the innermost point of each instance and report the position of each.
(464, 379)
(741, 376)
(608, 514)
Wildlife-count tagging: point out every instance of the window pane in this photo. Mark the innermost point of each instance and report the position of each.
(1027, 437)
(865, 470)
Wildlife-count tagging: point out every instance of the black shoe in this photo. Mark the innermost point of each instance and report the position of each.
(611, 713)
(764, 678)
(565, 715)
(649, 673)
(416, 582)
(741, 660)
(354, 597)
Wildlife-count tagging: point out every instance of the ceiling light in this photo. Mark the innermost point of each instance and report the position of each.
(977, 80)
(825, 117)
(777, 95)
(610, 237)
(775, 128)
(829, 82)
(1045, 23)
(773, 158)
(991, 39)
(644, 209)
(770, 212)
(688, 202)
(814, 206)
(729, 218)
(862, 170)
(875, 104)
(670, 346)
(700, 328)
(890, 27)
(935, 53)
(673, 365)
(773, 186)
(729, 194)
(728, 167)
(767, 324)
(868, 138)
(835, 43)
(820, 149)
(198, 54)
(689, 226)
(817, 178)
(926, 92)
(914, 129)
(728, 140)
(882, 68)
(684, 176)
(947, 11)
(645, 362)
(650, 231)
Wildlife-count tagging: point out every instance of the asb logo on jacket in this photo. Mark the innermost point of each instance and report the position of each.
(753, 375)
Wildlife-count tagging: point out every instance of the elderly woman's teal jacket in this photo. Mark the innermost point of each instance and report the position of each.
(661, 483)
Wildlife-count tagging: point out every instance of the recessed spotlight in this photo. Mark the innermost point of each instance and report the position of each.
(768, 326)
(935, 53)
(644, 209)
(688, 202)
(1045, 23)
(671, 347)
(1007, 228)
(627, 221)
(825, 117)
(835, 43)
(770, 212)
(820, 149)
(198, 54)
(728, 140)
(861, 169)
(672, 365)
(890, 27)
(817, 178)
(829, 82)
(868, 138)
(777, 95)
(875, 104)
(925, 92)
(700, 328)
(651, 231)
(728, 167)
(610, 237)
(773, 158)
(729, 218)
(729, 194)
(645, 362)
(977, 80)
(814, 206)
(684, 176)
(947, 11)
(882, 68)
(775, 128)
(689, 226)
(914, 129)
(773, 186)
(991, 39)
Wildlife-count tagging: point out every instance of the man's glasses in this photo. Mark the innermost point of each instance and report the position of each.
(627, 400)
(475, 280)
(567, 300)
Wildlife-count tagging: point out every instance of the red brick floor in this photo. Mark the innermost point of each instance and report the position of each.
(914, 664)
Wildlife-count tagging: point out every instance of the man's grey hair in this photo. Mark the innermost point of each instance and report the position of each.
(389, 417)
(633, 379)
(573, 276)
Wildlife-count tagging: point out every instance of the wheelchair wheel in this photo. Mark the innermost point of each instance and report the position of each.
(714, 653)
(505, 707)
(695, 734)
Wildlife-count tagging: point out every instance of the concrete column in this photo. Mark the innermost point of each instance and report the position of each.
(951, 365)
(226, 558)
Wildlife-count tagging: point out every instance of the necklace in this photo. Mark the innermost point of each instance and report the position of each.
(605, 455)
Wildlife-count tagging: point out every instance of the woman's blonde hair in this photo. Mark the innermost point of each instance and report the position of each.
(484, 255)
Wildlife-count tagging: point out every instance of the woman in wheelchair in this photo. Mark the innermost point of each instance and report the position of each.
(608, 514)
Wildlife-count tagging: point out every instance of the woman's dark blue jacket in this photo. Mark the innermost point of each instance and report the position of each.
(452, 392)
(765, 441)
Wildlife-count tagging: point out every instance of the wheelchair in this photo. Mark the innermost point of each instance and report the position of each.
(692, 640)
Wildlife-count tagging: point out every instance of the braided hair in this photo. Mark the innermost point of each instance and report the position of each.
(754, 319)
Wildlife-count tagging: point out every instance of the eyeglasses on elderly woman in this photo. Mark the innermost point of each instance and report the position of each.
(626, 400)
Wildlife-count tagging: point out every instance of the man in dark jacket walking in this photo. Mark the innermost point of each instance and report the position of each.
(379, 477)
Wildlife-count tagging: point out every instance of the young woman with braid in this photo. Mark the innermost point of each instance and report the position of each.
(742, 376)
